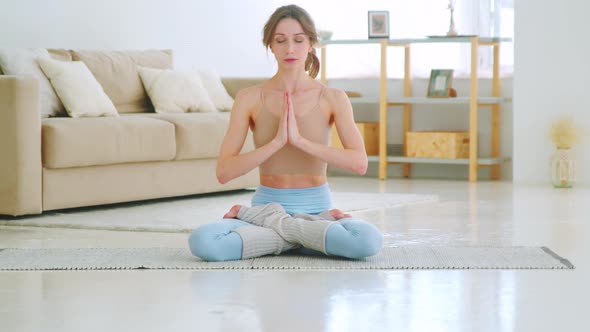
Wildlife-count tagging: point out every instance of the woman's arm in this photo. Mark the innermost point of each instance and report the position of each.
(231, 164)
(353, 157)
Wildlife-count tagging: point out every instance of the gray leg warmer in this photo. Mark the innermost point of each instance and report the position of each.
(260, 241)
(324, 215)
(309, 232)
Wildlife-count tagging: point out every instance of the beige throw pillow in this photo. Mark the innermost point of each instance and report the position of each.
(175, 91)
(23, 61)
(217, 92)
(79, 91)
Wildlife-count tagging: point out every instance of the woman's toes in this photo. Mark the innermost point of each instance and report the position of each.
(233, 212)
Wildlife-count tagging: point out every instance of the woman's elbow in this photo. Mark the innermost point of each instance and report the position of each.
(361, 167)
(222, 180)
(361, 170)
(222, 177)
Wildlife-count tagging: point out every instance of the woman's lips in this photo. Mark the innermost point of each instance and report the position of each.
(290, 60)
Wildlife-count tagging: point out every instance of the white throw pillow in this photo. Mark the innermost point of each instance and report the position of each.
(22, 61)
(77, 88)
(217, 92)
(175, 91)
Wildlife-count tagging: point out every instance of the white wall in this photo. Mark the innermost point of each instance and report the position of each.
(222, 34)
(551, 78)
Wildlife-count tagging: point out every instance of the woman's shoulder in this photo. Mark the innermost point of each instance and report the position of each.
(249, 91)
(333, 95)
(249, 96)
(336, 100)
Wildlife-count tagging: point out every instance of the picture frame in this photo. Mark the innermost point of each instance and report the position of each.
(440, 83)
(378, 23)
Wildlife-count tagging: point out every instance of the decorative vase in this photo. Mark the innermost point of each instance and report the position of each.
(452, 31)
(563, 168)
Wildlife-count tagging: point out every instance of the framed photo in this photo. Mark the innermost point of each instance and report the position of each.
(440, 83)
(379, 24)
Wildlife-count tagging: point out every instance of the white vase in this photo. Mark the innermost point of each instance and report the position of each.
(563, 169)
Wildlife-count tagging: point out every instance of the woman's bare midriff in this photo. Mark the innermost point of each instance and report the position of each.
(292, 180)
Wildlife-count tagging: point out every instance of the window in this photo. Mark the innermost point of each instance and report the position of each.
(503, 13)
(413, 19)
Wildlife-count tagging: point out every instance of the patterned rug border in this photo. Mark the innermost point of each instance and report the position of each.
(390, 258)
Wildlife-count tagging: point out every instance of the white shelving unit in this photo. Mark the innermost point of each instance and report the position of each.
(474, 102)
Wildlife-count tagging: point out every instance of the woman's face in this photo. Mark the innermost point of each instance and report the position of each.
(290, 44)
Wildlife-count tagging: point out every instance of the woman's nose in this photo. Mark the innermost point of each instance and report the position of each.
(290, 46)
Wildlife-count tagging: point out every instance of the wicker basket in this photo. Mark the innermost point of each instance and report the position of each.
(438, 144)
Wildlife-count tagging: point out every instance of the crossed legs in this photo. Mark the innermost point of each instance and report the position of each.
(268, 229)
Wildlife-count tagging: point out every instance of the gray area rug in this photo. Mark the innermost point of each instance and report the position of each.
(180, 258)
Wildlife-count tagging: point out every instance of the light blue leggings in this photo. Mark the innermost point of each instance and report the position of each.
(350, 237)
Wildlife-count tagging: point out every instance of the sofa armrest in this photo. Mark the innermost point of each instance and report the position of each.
(20, 146)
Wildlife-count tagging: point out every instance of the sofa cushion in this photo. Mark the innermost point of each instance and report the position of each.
(79, 91)
(81, 142)
(116, 71)
(198, 135)
(60, 54)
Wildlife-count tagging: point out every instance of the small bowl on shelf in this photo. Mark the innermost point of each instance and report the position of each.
(324, 35)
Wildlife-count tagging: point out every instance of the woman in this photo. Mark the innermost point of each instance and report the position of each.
(290, 116)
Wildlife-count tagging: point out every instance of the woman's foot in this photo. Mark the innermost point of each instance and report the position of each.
(233, 212)
(337, 214)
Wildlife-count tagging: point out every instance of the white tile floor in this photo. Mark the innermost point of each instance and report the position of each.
(486, 213)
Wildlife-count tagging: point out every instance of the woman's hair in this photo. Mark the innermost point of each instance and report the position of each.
(312, 63)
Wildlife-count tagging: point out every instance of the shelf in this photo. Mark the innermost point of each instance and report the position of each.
(407, 101)
(462, 161)
(405, 41)
(424, 100)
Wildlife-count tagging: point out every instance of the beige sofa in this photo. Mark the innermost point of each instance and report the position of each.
(62, 162)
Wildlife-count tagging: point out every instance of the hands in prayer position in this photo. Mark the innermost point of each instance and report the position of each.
(288, 132)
